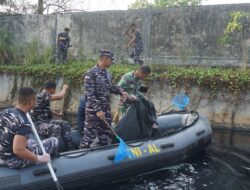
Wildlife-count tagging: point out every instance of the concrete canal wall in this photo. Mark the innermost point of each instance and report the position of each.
(224, 108)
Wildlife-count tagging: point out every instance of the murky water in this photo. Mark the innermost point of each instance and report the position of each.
(206, 172)
(224, 166)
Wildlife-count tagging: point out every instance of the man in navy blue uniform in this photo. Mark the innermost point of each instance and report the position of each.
(42, 114)
(15, 148)
(136, 43)
(98, 87)
(63, 44)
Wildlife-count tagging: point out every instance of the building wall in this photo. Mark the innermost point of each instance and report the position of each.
(187, 35)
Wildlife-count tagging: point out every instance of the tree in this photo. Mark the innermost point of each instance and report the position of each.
(18, 7)
(2, 2)
(41, 7)
(163, 3)
(53, 6)
(140, 4)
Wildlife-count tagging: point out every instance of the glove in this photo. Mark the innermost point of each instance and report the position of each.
(133, 98)
(43, 158)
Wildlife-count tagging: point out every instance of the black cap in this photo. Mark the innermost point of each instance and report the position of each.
(107, 53)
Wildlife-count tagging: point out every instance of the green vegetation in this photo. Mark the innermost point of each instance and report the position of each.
(29, 54)
(236, 25)
(163, 3)
(6, 47)
(234, 80)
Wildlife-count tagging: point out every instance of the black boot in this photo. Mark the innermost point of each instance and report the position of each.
(155, 132)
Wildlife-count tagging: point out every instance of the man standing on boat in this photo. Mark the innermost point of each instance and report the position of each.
(131, 83)
(15, 148)
(98, 87)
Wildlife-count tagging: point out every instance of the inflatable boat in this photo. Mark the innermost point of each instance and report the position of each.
(181, 136)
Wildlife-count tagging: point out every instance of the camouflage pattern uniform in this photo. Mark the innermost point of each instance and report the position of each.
(98, 87)
(138, 48)
(131, 85)
(42, 117)
(62, 47)
(14, 122)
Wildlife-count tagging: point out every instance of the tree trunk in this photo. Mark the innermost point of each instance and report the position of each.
(40, 7)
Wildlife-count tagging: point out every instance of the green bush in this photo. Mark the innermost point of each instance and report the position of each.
(235, 80)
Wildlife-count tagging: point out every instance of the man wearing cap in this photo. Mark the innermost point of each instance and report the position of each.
(63, 44)
(98, 87)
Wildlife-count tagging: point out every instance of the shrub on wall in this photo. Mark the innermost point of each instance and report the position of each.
(234, 80)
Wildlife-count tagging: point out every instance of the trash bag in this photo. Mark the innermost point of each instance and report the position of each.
(137, 122)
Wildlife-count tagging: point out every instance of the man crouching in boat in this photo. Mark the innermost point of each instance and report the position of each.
(15, 148)
(98, 87)
(42, 115)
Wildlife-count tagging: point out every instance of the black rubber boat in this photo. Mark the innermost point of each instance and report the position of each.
(182, 136)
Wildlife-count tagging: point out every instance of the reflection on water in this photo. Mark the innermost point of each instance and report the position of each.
(204, 173)
(235, 137)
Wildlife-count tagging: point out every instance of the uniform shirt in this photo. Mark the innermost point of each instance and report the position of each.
(138, 41)
(131, 85)
(63, 43)
(41, 112)
(98, 87)
(13, 121)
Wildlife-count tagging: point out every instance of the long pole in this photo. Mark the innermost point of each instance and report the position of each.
(58, 185)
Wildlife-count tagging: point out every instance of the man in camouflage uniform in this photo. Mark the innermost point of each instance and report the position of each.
(63, 44)
(42, 115)
(136, 43)
(131, 83)
(15, 149)
(98, 87)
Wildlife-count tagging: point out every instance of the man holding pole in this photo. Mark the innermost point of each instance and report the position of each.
(136, 43)
(42, 114)
(15, 148)
(98, 87)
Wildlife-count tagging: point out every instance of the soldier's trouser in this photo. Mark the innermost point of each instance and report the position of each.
(55, 128)
(94, 127)
(50, 145)
(135, 55)
(62, 55)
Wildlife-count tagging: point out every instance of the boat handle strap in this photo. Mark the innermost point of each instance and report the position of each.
(200, 132)
(111, 157)
(41, 172)
(168, 145)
